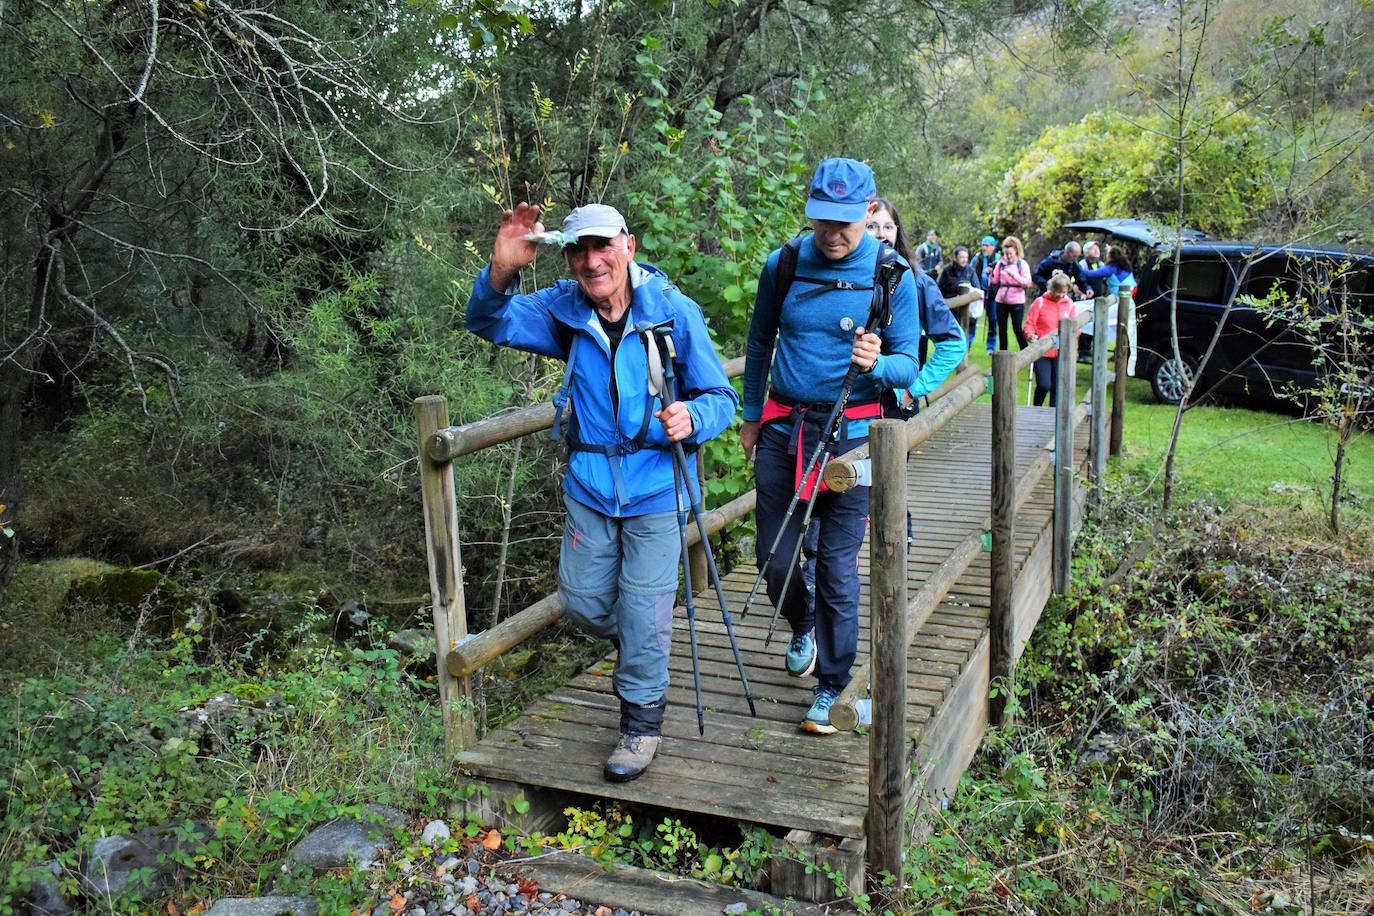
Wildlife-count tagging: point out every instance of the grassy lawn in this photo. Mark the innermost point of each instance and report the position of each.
(1238, 455)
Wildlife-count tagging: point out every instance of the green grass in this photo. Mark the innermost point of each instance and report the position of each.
(1238, 455)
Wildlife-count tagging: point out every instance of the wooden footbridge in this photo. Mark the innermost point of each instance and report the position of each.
(995, 499)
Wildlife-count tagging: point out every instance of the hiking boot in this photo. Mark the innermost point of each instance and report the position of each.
(631, 757)
(801, 654)
(817, 719)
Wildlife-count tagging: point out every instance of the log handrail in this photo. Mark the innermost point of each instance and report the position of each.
(456, 441)
(843, 473)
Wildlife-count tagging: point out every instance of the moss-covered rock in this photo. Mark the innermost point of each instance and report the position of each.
(163, 605)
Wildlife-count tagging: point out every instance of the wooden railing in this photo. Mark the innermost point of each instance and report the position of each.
(895, 619)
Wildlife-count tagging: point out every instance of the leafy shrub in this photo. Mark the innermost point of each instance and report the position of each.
(1110, 164)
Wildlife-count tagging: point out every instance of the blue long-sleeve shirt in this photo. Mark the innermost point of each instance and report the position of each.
(942, 329)
(804, 348)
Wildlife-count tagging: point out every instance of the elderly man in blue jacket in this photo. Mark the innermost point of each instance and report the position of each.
(801, 344)
(618, 566)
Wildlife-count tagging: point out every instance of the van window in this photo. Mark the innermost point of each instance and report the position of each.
(1359, 286)
(1199, 279)
(1276, 275)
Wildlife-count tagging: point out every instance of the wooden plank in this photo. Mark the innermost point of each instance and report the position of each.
(804, 861)
(627, 887)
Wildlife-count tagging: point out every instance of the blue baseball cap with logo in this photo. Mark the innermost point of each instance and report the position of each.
(841, 191)
(989, 240)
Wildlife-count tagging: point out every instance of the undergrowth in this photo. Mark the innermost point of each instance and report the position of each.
(1192, 732)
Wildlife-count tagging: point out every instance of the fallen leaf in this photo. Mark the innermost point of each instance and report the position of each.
(397, 902)
(528, 889)
(172, 909)
(492, 840)
(772, 778)
(604, 911)
(440, 871)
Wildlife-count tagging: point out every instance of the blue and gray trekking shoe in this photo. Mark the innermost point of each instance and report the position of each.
(817, 719)
(801, 654)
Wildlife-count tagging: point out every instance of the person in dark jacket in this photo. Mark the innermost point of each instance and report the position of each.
(1064, 260)
(958, 270)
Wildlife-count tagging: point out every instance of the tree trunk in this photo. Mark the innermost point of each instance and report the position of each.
(16, 381)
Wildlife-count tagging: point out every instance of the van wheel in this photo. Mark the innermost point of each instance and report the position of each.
(1171, 378)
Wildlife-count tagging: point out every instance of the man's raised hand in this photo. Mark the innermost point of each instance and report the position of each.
(511, 251)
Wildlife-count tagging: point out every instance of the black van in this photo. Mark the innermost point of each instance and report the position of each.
(1258, 354)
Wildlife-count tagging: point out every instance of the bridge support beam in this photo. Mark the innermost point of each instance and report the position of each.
(445, 575)
(1001, 621)
(887, 741)
(1064, 398)
(1098, 448)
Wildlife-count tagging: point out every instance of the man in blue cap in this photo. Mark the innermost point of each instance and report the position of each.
(617, 571)
(802, 340)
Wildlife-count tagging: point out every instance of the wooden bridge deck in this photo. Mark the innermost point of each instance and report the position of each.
(765, 770)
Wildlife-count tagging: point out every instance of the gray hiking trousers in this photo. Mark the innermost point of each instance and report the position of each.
(617, 579)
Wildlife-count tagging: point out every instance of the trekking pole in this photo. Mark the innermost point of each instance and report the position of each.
(657, 388)
(801, 537)
(667, 395)
(879, 315)
(690, 602)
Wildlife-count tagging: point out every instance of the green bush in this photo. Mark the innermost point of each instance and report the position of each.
(1110, 164)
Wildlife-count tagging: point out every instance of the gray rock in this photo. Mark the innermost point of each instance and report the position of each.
(469, 885)
(112, 862)
(265, 906)
(413, 643)
(342, 841)
(449, 864)
(435, 833)
(736, 909)
(45, 895)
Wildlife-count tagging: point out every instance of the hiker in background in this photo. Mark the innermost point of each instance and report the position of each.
(939, 327)
(1042, 320)
(1091, 260)
(929, 253)
(1012, 277)
(1063, 260)
(983, 263)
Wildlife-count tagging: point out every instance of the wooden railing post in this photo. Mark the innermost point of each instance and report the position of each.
(445, 574)
(1124, 307)
(887, 741)
(1099, 427)
(1063, 454)
(1001, 624)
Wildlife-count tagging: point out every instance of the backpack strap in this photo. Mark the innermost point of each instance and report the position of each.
(560, 397)
(786, 271)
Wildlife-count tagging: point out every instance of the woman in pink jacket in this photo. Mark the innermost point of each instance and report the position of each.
(1043, 321)
(1012, 277)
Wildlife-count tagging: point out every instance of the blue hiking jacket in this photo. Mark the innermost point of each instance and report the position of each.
(941, 328)
(555, 319)
(804, 350)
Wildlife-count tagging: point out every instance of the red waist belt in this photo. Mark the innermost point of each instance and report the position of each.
(806, 433)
